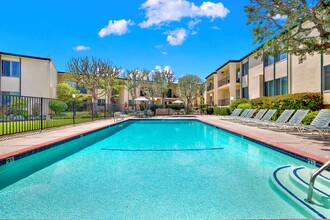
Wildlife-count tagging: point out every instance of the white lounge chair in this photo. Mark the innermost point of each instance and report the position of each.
(320, 123)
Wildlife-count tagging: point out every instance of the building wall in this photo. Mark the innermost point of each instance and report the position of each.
(38, 77)
(281, 68)
(52, 80)
(305, 77)
(35, 78)
(326, 94)
(9, 84)
(255, 78)
(232, 87)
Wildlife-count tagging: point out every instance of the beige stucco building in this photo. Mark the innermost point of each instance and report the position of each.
(251, 78)
(27, 76)
(122, 98)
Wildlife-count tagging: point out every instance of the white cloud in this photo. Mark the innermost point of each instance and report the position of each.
(280, 17)
(116, 27)
(81, 48)
(193, 23)
(158, 68)
(176, 37)
(164, 52)
(167, 68)
(213, 10)
(215, 28)
(162, 11)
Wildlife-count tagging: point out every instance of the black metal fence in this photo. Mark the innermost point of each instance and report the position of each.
(23, 114)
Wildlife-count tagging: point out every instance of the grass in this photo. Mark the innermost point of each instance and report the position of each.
(22, 126)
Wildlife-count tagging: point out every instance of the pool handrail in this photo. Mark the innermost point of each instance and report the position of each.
(312, 180)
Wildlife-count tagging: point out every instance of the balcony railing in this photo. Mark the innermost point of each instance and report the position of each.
(210, 87)
(224, 102)
(224, 81)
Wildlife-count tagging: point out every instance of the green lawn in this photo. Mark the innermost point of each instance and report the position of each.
(21, 126)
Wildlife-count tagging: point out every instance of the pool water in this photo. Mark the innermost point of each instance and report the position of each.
(152, 169)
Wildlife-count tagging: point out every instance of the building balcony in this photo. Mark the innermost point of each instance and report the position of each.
(224, 102)
(210, 87)
(224, 81)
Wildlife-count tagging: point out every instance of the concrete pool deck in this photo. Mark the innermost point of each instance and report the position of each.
(316, 149)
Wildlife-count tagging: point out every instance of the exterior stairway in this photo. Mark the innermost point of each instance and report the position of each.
(293, 183)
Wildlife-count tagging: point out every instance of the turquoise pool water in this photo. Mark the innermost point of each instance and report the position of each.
(148, 170)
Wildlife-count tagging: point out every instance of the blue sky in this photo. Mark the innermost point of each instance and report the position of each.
(190, 36)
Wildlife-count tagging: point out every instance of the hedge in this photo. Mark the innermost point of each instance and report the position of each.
(175, 106)
(311, 101)
(221, 111)
(309, 117)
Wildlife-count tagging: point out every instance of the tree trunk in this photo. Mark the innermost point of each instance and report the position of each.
(163, 100)
(109, 102)
(94, 100)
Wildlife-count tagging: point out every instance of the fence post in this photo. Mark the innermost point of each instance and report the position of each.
(92, 111)
(105, 110)
(74, 111)
(41, 113)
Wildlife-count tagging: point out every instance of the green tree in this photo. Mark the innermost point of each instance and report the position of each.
(57, 106)
(88, 73)
(149, 87)
(164, 79)
(290, 26)
(133, 81)
(190, 87)
(109, 81)
(65, 92)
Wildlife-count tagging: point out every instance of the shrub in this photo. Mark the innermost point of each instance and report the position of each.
(309, 117)
(221, 111)
(244, 105)
(175, 106)
(312, 101)
(57, 106)
(210, 111)
(61, 116)
(235, 103)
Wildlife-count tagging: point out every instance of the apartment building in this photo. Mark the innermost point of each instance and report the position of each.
(27, 75)
(122, 98)
(251, 78)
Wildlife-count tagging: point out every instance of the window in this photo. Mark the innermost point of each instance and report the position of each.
(268, 61)
(82, 89)
(284, 85)
(142, 93)
(281, 56)
(281, 87)
(245, 68)
(169, 93)
(238, 76)
(326, 78)
(238, 94)
(245, 92)
(6, 97)
(10, 68)
(269, 88)
(101, 102)
(278, 86)
(75, 85)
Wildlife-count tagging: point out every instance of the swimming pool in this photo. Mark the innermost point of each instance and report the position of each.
(149, 169)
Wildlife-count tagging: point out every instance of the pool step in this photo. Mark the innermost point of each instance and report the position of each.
(293, 182)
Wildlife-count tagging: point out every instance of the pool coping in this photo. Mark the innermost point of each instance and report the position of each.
(301, 155)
